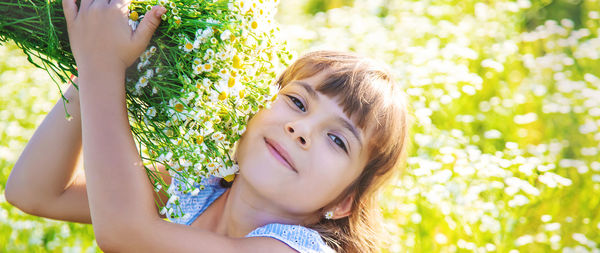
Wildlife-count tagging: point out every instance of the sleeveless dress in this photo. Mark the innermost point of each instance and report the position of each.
(299, 238)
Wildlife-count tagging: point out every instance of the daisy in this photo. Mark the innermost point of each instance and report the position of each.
(143, 81)
(207, 66)
(208, 55)
(228, 173)
(151, 112)
(188, 46)
(253, 24)
(197, 69)
(177, 20)
(225, 35)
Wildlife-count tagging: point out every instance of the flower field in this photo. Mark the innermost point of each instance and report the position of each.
(506, 111)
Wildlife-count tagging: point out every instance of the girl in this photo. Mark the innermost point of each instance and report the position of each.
(310, 165)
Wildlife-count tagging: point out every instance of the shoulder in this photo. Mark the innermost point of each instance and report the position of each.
(297, 237)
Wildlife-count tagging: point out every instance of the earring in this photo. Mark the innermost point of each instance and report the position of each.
(329, 215)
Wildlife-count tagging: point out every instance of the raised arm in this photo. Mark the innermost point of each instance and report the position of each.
(47, 179)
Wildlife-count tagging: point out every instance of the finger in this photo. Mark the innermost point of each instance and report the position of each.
(70, 10)
(148, 25)
(122, 5)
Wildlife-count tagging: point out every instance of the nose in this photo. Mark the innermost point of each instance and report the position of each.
(299, 132)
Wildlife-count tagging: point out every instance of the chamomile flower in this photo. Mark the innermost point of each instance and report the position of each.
(212, 167)
(197, 61)
(209, 54)
(187, 46)
(197, 69)
(218, 137)
(143, 81)
(177, 20)
(151, 112)
(228, 172)
(225, 35)
(207, 67)
(253, 24)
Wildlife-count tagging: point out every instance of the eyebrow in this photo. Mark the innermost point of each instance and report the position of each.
(351, 128)
(308, 88)
(313, 94)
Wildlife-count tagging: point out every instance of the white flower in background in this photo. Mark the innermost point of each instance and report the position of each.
(492, 134)
(553, 180)
(523, 240)
(525, 118)
(151, 112)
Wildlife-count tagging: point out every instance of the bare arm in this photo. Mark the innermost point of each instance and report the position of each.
(47, 179)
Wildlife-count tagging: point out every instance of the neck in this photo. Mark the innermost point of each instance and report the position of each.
(245, 210)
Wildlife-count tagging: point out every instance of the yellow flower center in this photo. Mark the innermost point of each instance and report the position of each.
(207, 66)
(223, 95)
(254, 24)
(199, 140)
(134, 16)
(237, 62)
(231, 82)
(189, 46)
(242, 94)
(229, 178)
(179, 107)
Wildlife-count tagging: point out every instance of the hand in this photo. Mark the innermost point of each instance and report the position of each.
(101, 37)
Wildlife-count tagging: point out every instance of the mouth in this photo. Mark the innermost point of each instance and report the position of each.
(279, 153)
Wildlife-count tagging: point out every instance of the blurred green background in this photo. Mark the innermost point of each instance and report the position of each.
(505, 96)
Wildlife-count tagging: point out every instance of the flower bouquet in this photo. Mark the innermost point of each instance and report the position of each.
(208, 68)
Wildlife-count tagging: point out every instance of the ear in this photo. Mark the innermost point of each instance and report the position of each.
(344, 208)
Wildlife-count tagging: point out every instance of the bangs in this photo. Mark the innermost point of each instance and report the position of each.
(362, 87)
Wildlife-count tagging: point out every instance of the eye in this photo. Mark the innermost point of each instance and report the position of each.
(338, 142)
(297, 102)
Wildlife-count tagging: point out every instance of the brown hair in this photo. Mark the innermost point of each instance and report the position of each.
(368, 94)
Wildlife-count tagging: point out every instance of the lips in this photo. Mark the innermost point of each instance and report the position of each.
(280, 153)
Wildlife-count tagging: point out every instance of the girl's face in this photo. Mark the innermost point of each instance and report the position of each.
(302, 152)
